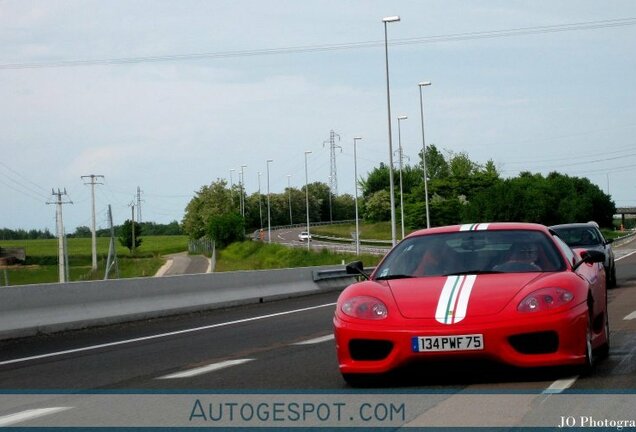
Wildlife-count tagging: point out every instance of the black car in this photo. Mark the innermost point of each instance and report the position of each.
(588, 236)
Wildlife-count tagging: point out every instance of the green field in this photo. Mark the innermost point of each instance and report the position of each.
(375, 231)
(41, 263)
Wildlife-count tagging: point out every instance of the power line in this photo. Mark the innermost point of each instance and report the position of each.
(523, 31)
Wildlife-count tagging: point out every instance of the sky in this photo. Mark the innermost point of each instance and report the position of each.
(170, 96)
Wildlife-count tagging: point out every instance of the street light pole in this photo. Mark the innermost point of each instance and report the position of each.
(269, 214)
(260, 200)
(401, 157)
(307, 198)
(355, 184)
(387, 20)
(428, 219)
(291, 221)
(232, 187)
(243, 191)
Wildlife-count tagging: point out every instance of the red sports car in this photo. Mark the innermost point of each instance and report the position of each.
(509, 292)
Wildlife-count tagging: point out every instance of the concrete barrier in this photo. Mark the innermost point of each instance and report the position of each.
(30, 309)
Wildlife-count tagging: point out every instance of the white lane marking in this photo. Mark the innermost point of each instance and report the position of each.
(205, 369)
(316, 340)
(560, 385)
(625, 256)
(163, 335)
(29, 415)
(631, 316)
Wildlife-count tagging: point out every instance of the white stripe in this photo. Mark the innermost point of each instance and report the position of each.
(559, 385)
(162, 335)
(625, 256)
(462, 305)
(29, 415)
(474, 227)
(631, 316)
(316, 340)
(442, 304)
(205, 369)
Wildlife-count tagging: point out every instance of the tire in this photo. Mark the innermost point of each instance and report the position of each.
(587, 367)
(603, 350)
(612, 278)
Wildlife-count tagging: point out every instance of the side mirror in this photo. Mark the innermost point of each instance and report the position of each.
(608, 241)
(590, 256)
(356, 268)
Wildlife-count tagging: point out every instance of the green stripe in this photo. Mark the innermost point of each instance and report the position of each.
(450, 299)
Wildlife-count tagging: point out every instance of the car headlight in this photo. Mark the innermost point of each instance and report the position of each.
(365, 307)
(545, 299)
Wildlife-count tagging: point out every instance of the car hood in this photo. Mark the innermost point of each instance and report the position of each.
(455, 297)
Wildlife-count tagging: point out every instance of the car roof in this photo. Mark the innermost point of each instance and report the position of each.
(484, 226)
(575, 225)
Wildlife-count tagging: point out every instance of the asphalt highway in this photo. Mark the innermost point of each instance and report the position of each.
(281, 346)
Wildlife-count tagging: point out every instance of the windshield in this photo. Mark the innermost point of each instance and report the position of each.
(471, 252)
(579, 236)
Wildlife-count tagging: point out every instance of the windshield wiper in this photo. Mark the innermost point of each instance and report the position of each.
(394, 276)
(475, 272)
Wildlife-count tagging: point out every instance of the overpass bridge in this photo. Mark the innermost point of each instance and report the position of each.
(625, 211)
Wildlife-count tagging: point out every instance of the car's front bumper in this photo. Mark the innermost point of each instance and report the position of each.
(374, 347)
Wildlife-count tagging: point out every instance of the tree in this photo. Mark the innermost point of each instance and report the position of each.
(377, 180)
(226, 228)
(126, 235)
(213, 200)
(82, 232)
(378, 207)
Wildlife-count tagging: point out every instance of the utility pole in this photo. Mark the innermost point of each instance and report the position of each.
(61, 244)
(112, 253)
(333, 176)
(93, 181)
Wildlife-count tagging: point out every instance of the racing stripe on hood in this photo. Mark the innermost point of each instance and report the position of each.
(474, 227)
(453, 302)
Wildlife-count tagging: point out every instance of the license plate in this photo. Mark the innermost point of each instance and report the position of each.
(448, 343)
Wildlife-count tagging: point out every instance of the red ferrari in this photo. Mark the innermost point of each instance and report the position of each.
(509, 292)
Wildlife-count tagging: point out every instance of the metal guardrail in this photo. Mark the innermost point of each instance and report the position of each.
(319, 275)
(624, 239)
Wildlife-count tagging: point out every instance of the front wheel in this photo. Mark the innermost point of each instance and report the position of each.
(586, 368)
(611, 283)
(603, 350)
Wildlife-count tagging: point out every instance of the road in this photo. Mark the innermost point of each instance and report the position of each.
(286, 346)
(184, 263)
(289, 236)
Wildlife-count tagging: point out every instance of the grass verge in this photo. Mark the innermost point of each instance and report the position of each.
(260, 256)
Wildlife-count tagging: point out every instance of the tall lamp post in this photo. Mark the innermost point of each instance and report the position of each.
(428, 219)
(355, 185)
(242, 183)
(307, 198)
(387, 20)
(260, 200)
(269, 214)
(401, 156)
(291, 221)
(232, 187)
